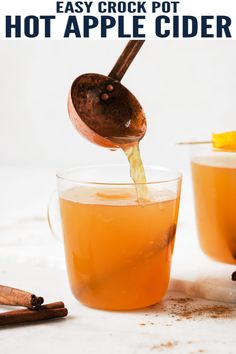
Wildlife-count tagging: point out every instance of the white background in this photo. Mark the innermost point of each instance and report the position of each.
(187, 89)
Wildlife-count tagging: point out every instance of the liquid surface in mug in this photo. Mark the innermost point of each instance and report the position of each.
(214, 182)
(118, 250)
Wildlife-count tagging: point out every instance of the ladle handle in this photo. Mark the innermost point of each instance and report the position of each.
(126, 58)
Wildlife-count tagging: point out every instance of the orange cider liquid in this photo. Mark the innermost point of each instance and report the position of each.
(214, 182)
(118, 250)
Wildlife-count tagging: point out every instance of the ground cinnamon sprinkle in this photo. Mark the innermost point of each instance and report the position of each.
(212, 312)
(182, 300)
(188, 308)
(166, 345)
(181, 308)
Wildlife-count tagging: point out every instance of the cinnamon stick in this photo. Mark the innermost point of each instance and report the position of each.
(46, 312)
(16, 297)
(148, 253)
(53, 305)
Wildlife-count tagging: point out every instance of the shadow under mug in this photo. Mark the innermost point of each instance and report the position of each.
(118, 251)
(214, 184)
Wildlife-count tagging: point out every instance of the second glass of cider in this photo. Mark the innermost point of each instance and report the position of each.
(214, 183)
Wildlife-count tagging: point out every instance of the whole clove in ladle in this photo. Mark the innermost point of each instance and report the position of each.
(105, 111)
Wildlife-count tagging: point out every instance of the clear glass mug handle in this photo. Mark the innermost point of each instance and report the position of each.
(53, 216)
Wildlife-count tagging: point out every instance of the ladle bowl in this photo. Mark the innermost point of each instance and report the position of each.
(103, 110)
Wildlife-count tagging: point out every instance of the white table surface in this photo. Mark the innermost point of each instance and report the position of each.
(32, 260)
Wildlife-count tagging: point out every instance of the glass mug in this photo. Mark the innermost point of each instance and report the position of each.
(214, 184)
(118, 252)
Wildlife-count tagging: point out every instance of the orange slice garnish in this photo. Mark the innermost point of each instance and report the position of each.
(224, 141)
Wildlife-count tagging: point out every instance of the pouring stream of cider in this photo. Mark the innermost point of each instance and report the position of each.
(137, 172)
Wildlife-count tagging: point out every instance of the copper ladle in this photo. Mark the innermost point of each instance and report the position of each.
(105, 111)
